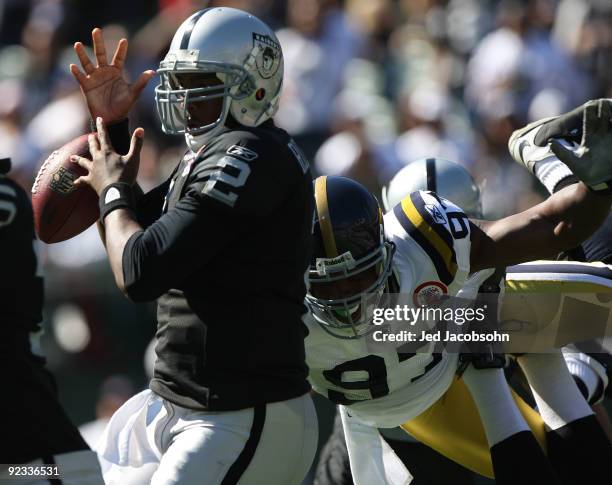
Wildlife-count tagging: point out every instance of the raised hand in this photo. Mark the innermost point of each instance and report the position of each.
(104, 86)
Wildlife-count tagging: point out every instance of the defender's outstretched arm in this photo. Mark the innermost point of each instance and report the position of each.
(561, 222)
(570, 215)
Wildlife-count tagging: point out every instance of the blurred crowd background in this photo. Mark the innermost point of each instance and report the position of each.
(370, 85)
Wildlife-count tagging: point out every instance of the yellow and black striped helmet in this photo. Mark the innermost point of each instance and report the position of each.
(349, 251)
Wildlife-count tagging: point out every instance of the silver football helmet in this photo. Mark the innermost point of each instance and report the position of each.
(240, 50)
(448, 179)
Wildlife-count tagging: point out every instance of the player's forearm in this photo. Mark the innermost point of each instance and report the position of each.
(120, 225)
(576, 212)
(561, 222)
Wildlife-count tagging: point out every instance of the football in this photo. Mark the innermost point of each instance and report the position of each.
(61, 210)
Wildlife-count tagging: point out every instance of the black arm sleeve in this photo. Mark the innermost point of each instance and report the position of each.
(175, 246)
(149, 206)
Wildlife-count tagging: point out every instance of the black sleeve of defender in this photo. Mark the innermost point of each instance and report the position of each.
(16, 233)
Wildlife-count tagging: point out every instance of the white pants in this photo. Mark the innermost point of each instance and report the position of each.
(75, 468)
(371, 458)
(151, 440)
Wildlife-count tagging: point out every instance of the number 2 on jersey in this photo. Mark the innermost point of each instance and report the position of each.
(242, 172)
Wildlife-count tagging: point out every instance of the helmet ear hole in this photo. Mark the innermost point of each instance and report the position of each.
(260, 94)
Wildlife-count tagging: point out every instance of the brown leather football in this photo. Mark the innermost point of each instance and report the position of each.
(61, 210)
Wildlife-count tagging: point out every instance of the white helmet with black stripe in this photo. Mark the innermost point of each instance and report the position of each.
(448, 179)
(236, 47)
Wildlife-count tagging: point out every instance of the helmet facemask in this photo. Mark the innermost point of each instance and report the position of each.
(350, 317)
(173, 101)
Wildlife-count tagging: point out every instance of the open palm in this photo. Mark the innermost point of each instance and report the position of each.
(108, 94)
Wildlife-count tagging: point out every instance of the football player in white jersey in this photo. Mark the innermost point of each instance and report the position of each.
(427, 245)
(451, 181)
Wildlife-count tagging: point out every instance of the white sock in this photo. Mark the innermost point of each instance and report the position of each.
(498, 411)
(550, 172)
(558, 398)
(579, 366)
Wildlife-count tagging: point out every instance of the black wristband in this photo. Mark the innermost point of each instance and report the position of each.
(115, 196)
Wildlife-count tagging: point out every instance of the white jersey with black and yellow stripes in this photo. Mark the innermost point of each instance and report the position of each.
(432, 240)
(385, 388)
(549, 304)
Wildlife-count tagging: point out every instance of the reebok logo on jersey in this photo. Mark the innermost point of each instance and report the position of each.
(436, 214)
(242, 153)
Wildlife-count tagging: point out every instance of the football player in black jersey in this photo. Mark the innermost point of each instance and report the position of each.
(223, 245)
(35, 429)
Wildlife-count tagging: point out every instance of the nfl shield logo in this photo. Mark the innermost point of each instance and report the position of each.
(62, 181)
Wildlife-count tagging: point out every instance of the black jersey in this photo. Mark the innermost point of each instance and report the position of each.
(21, 284)
(32, 420)
(227, 260)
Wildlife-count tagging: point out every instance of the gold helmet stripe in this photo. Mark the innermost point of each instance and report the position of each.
(325, 223)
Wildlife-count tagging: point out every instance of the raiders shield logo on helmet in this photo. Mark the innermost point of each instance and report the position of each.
(268, 59)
